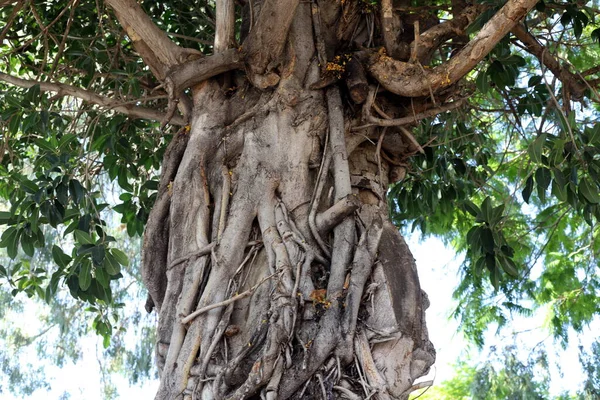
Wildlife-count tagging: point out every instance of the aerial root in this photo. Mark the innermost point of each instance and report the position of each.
(223, 303)
(362, 265)
(372, 375)
(335, 214)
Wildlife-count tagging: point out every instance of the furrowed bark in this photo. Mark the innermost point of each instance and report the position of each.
(266, 274)
(196, 71)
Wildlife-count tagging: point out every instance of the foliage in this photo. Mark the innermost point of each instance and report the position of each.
(502, 376)
(514, 181)
(30, 326)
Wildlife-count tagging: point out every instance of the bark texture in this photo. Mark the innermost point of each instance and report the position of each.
(269, 255)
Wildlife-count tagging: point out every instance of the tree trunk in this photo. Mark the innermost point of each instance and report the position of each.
(269, 254)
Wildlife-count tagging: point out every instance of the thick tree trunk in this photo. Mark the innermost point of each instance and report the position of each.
(269, 254)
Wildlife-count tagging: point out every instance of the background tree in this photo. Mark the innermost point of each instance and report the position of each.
(268, 252)
(502, 376)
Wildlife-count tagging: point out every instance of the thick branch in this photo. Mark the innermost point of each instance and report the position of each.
(196, 71)
(431, 39)
(391, 26)
(225, 31)
(335, 214)
(268, 37)
(91, 97)
(576, 87)
(153, 44)
(411, 80)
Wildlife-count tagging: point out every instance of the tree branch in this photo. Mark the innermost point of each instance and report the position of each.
(151, 42)
(574, 84)
(266, 41)
(91, 97)
(390, 27)
(193, 72)
(411, 80)
(225, 30)
(431, 39)
(409, 119)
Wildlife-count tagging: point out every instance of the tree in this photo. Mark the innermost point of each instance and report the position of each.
(503, 376)
(268, 252)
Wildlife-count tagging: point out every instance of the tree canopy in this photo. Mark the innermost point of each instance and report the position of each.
(503, 161)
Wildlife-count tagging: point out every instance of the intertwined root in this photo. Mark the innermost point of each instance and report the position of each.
(279, 279)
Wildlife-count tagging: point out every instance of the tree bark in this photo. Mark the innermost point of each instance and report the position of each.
(269, 254)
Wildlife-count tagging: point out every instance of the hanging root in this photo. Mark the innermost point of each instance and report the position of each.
(270, 265)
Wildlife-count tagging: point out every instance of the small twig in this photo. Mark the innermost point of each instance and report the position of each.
(412, 139)
(414, 50)
(374, 121)
(323, 391)
(202, 252)
(420, 385)
(224, 200)
(312, 214)
(378, 154)
(225, 302)
(90, 97)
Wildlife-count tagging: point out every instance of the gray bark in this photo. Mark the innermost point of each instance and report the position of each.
(269, 254)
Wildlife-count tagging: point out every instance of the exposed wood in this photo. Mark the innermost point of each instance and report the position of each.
(365, 358)
(343, 234)
(411, 80)
(409, 119)
(430, 40)
(331, 217)
(91, 97)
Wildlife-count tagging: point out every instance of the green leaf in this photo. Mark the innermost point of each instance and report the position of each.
(557, 153)
(543, 178)
(10, 240)
(471, 208)
(83, 237)
(102, 277)
(98, 252)
(482, 82)
(27, 245)
(486, 214)
(60, 258)
(526, 193)
(509, 266)
(29, 186)
(559, 191)
(589, 191)
(111, 265)
(535, 148)
(85, 275)
(76, 191)
(120, 257)
(487, 240)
